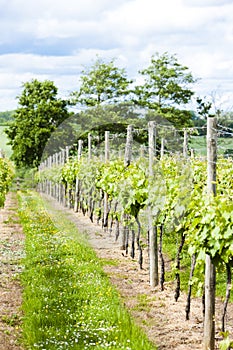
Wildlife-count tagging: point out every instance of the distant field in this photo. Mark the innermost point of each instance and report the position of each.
(224, 144)
(198, 143)
(3, 142)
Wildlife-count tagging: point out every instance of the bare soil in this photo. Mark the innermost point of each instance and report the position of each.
(11, 251)
(161, 318)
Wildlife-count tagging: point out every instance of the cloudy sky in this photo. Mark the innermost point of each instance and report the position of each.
(56, 39)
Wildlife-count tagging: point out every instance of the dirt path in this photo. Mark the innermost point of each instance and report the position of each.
(11, 251)
(158, 314)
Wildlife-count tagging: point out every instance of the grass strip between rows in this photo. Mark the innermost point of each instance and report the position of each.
(68, 301)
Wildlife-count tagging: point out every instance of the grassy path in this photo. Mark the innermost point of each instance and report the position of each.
(69, 302)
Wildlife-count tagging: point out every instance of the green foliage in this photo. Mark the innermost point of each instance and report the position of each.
(102, 82)
(68, 300)
(6, 177)
(166, 88)
(52, 174)
(111, 177)
(26, 178)
(226, 119)
(227, 342)
(209, 221)
(177, 198)
(113, 118)
(176, 195)
(126, 184)
(169, 190)
(203, 107)
(38, 115)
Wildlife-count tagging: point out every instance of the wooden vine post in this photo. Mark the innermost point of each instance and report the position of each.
(63, 191)
(69, 189)
(50, 182)
(210, 274)
(107, 157)
(185, 144)
(127, 161)
(162, 147)
(107, 150)
(77, 182)
(129, 145)
(153, 243)
(56, 184)
(60, 188)
(89, 200)
(89, 146)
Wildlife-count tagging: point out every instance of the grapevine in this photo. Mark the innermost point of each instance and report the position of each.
(177, 197)
(6, 176)
(182, 209)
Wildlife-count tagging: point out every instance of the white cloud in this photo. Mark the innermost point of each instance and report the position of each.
(144, 16)
(39, 64)
(69, 28)
(207, 3)
(73, 9)
(53, 39)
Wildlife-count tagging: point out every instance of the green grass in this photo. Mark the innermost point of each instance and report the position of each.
(198, 143)
(3, 142)
(68, 301)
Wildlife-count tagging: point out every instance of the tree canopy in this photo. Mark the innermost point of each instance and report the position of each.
(103, 82)
(106, 98)
(39, 113)
(166, 88)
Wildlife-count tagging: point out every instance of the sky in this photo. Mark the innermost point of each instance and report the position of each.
(57, 39)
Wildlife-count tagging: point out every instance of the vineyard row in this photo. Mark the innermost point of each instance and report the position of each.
(171, 197)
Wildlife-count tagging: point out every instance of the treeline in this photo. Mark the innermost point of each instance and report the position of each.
(106, 100)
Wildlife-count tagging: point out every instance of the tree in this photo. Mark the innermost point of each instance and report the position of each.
(39, 113)
(104, 89)
(101, 83)
(166, 89)
(203, 108)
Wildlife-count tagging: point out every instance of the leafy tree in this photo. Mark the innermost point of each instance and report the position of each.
(114, 118)
(104, 89)
(166, 88)
(39, 113)
(102, 82)
(203, 108)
